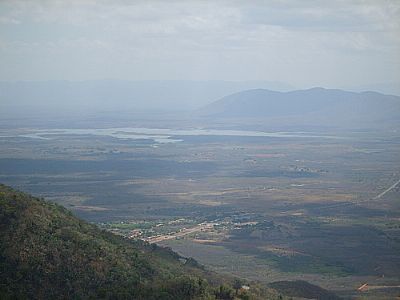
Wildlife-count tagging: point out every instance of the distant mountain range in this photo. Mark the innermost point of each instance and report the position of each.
(316, 106)
(100, 95)
(268, 103)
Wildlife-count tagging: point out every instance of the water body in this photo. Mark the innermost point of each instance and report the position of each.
(162, 135)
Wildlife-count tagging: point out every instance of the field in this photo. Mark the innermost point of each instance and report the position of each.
(324, 209)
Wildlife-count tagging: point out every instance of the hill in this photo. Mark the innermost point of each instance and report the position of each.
(47, 253)
(316, 106)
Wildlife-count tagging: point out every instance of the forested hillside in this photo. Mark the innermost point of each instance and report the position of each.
(47, 253)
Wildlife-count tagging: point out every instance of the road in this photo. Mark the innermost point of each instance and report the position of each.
(387, 190)
(362, 201)
(186, 231)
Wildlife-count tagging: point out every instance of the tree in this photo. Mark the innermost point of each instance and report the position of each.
(224, 292)
(237, 285)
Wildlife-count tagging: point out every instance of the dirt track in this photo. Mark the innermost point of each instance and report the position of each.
(197, 228)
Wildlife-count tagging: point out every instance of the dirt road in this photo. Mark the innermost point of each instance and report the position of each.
(387, 190)
(183, 232)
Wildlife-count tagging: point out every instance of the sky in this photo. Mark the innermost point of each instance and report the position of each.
(301, 43)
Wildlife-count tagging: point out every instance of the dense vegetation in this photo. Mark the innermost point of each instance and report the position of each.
(47, 253)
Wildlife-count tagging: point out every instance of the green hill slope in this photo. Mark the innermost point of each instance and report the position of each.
(47, 253)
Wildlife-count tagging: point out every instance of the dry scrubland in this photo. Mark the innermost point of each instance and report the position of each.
(262, 208)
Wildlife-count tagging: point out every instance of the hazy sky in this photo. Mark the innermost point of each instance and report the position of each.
(303, 43)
